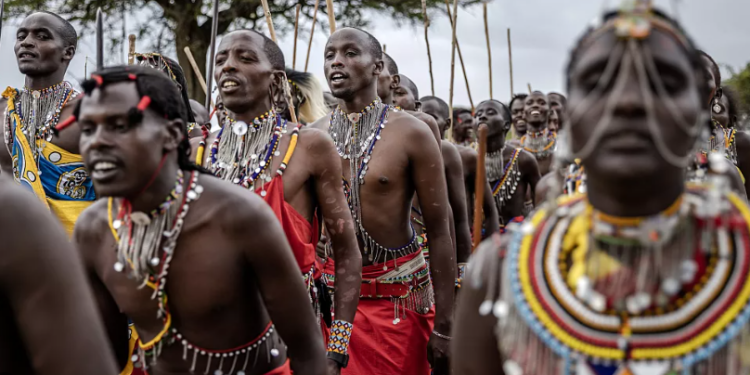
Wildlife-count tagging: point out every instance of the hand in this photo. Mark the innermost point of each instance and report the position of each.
(333, 367)
(438, 350)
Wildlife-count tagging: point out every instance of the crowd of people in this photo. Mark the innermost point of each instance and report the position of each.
(329, 232)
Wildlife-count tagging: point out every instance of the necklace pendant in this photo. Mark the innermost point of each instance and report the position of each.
(354, 117)
(36, 94)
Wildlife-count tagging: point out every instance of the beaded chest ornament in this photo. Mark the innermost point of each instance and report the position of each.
(507, 180)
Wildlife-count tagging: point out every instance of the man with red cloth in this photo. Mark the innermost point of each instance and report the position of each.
(388, 156)
(295, 170)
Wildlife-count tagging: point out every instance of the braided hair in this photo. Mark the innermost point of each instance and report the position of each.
(174, 71)
(158, 93)
(694, 55)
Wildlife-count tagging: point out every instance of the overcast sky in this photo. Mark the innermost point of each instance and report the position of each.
(543, 32)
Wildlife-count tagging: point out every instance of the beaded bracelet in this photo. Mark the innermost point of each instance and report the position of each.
(341, 332)
(461, 273)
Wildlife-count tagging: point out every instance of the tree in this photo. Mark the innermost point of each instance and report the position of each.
(176, 24)
(740, 82)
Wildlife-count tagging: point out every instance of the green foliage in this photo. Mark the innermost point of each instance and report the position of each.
(740, 81)
(169, 26)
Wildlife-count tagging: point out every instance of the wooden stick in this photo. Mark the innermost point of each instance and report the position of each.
(86, 67)
(479, 183)
(269, 20)
(99, 40)
(384, 48)
(489, 48)
(460, 56)
(312, 32)
(427, 42)
(296, 29)
(331, 16)
(131, 49)
(529, 86)
(285, 87)
(510, 64)
(212, 53)
(197, 71)
(453, 69)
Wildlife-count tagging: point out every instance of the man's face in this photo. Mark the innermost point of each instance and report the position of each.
(493, 114)
(710, 74)
(349, 67)
(554, 121)
(519, 117)
(404, 98)
(121, 157)
(384, 83)
(536, 108)
(556, 104)
(432, 108)
(628, 148)
(40, 49)
(243, 72)
(200, 113)
(464, 125)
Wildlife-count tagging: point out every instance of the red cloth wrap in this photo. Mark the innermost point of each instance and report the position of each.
(302, 236)
(377, 346)
(285, 369)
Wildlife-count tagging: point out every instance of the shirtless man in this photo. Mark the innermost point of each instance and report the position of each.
(390, 162)
(405, 96)
(215, 314)
(538, 140)
(48, 318)
(464, 133)
(296, 169)
(45, 45)
(511, 171)
(519, 118)
(557, 103)
(438, 109)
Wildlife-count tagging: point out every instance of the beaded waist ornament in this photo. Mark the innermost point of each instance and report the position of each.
(355, 136)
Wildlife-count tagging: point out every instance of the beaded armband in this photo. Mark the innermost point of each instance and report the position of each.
(341, 333)
(461, 273)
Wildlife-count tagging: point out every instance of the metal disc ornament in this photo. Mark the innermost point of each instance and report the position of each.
(239, 128)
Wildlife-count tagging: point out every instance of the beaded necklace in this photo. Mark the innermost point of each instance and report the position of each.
(493, 164)
(541, 144)
(39, 111)
(581, 301)
(243, 158)
(355, 136)
(140, 234)
(506, 185)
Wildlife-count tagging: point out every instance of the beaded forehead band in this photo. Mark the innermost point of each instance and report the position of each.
(156, 61)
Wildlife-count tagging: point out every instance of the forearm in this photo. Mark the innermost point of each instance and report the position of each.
(307, 360)
(443, 272)
(491, 221)
(348, 277)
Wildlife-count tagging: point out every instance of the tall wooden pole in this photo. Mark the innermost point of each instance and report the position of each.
(197, 71)
(458, 49)
(296, 30)
(99, 40)
(212, 54)
(510, 64)
(331, 15)
(479, 183)
(427, 42)
(312, 32)
(453, 69)
(131, 49)
(285, 84)
(489, 48)
(529, 86)
(2, 14)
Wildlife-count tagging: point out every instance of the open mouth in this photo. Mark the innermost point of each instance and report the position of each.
(103, 170)
(26, 56)
(229, 85)
(337, 78)
(536, 113)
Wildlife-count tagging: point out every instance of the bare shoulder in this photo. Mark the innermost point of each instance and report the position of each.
(450, 154)
(234, 207)
(92, 228)
(321, 124)
(408, 125)
(314, 137)
(526, 159)
(430, 121)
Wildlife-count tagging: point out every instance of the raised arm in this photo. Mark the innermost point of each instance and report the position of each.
(339, 223)
(429, 178)
(474, 347)
(42, 278)
(281, 286)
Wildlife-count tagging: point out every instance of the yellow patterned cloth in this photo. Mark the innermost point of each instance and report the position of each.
(58, 178)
